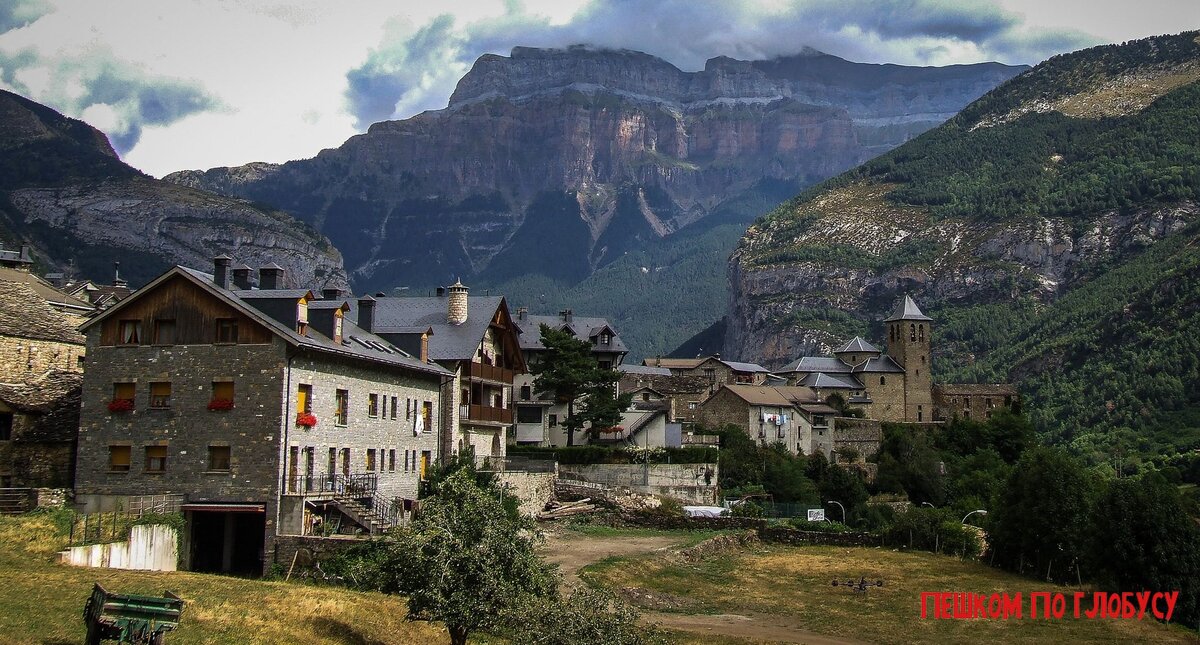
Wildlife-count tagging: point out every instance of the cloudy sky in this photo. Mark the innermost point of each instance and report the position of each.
(180, 84)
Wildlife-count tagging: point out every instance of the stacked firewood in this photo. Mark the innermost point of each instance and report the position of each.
(556, 509)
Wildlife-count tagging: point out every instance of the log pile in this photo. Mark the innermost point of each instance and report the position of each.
(556, 509)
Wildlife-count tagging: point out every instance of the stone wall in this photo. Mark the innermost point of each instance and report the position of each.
(862, 435)
(689, 483)
(320, 548)
(972, 401)
(533, 489)
(887, 398)
(785, 535)
(25, 358)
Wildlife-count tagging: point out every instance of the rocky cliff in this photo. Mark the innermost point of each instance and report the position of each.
(601, 152)
(1044, 227)
(63, 189)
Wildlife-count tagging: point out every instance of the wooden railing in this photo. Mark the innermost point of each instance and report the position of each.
(487, 413)
(490, 373)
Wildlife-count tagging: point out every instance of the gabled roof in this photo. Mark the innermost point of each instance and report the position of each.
(26, 313)
(831, 381)
(879, 364)
(906, 310)
(377, 350)
(825, 364)
(583, 327)
(857, 345)
(644, 370)
(44, 290)
(772, 395)
(745, 367)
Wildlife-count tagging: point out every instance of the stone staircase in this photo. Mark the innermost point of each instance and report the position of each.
(361, 514)
(14, 501)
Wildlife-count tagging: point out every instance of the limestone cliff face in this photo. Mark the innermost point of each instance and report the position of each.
(603, 151)
(63, 189)
(1057, 177)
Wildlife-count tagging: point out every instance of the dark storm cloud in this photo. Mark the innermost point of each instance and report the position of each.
(412, 70)
(15, 14)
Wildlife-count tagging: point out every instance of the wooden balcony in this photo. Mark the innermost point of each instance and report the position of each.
(481, 372)
(486, 414)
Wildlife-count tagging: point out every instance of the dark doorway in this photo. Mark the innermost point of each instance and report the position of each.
(227, 542)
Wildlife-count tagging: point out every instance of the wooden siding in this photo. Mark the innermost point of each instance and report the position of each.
(194, 311)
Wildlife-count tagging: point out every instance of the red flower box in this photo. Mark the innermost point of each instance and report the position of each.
(220, 404)
(306, 419)
(612, 430)
(120, 405)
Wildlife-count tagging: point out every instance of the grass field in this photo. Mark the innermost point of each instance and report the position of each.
(794, 582)
(42, 602)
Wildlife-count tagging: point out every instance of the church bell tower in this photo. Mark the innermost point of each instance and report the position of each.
(909, 332)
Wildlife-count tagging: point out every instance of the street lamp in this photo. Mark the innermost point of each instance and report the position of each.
(841, 507)
(980, 511)
(928, 504)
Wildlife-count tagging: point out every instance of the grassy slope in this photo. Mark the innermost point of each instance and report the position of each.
(794, 582)
(43, 602)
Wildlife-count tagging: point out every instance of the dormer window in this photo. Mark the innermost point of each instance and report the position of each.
(605, 338)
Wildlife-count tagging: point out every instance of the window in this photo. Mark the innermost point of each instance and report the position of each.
(553, 420)
(920, 414)
(426, 457)
(912, 332)
(118, 458)
(346, 462)
(222, 395)
(921, 332)
(605, 365)
(164, 332)
(711, 373)
(392, 461)
(341, 407)
(394, 407)
(526, 392)
(692, 405)
(427, 414)
(160, 395)
(883, 380)
(370, 459)
(922, 359)
(405, 461)
(331, 467)
(227, 330)
(6, 424)
(819, 420)
(373, 405)
(529, 414)
(605, 338)
(645, 396)
(123, 392)
(156, 459)
(988, 403)
(303, 398)
(130, 332)
(218, 458)
(408, 408)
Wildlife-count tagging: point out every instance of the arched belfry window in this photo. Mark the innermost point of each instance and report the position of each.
(921, 332)
(883, 380)
(912, 331)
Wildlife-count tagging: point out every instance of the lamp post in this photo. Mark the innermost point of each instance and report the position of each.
(928, 504)
(841, 507)
(980, 511)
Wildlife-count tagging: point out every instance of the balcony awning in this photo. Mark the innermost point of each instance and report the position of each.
(226, 508)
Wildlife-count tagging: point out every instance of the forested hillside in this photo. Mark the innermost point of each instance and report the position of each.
(1051, 230)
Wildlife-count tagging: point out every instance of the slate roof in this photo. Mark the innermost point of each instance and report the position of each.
(745, 367)
(675, 363)
(414, 315)
(832, 381)
(907, 310)
(825, 364)
(584, 327)
(644, 370)
(857, 345)
(879, 364)
(26, 313)
(53, 398)
(45, 290)
(774, 396)
(378, 349)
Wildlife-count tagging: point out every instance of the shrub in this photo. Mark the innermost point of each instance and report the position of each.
(802, 524)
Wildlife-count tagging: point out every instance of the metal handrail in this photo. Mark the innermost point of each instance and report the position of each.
(356, 485)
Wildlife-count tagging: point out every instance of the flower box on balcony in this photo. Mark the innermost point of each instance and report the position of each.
(306, 419)
(120, 405)
(612, 430)
(219, 405)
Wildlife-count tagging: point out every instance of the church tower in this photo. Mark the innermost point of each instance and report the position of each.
(909, 332)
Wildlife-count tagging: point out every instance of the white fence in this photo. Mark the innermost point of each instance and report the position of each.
(151, 547)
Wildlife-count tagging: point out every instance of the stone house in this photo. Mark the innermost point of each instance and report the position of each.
(790, 415)
(683, 392)
(476, 340)
(973, 401)
(41, 359)
(265, 411)
(539, 416)
(713, 369)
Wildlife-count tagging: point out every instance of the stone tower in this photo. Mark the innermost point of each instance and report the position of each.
(909, 333)
(456, 310)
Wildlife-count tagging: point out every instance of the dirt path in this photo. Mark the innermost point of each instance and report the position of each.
(573, 552)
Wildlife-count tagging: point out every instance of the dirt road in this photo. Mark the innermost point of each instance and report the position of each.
(573, 552)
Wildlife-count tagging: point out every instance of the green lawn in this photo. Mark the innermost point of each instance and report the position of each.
(794, 582)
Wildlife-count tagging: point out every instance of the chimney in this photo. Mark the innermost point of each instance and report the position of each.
(366, 314)
(566, 314)
(441, 292)
(521, 312)
(270, 276)
(220, 271)
(456, 308)
(117, 281)
(241, 277)
(332, 294)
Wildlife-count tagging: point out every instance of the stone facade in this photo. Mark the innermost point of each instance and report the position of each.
(772, 415)
(27, 357)
(970, 401)
(908, 345)
(887, 393)
(533, 489)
